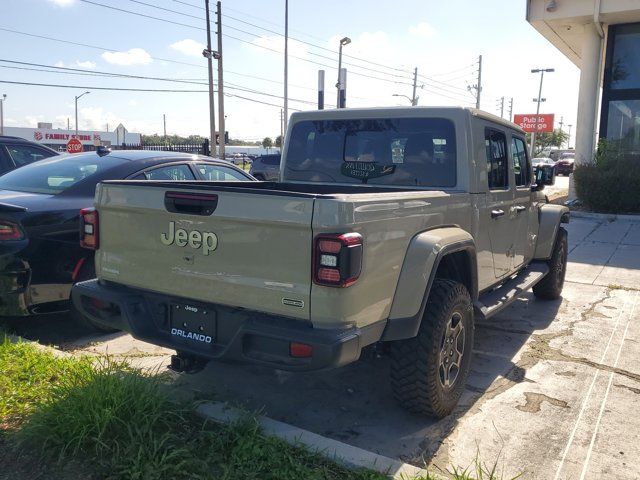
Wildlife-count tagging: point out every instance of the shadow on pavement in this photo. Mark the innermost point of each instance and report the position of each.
(59, 329)
(355, 404)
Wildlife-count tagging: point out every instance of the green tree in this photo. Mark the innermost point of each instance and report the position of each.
(279, 141)
(557, 138)
(267, 142)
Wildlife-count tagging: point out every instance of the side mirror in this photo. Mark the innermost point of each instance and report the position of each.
(544, 175)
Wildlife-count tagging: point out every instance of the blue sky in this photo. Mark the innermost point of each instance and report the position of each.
(443, 39)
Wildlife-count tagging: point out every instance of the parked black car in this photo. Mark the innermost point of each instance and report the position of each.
(16, 152)
(40, 254)
(266, 167)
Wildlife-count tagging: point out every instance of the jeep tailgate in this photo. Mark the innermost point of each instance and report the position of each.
(253, 251)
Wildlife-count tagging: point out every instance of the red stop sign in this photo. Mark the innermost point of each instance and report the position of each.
(74, 146)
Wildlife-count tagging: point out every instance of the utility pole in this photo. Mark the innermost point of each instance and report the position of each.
(221, 122)
(479, 86)
(538, 100)
(511, 109)
(4, 97)
(286, 63)
(561, 123)
(320, 89)
(164, 124)
(281, 128)
(569, 140)
(212, 109)
(68, 125)
(501, 107)
(414, 99)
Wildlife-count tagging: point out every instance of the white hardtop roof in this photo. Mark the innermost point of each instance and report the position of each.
(401, 112)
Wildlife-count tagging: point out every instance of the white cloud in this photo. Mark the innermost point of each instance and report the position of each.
(86, 64)
(276, 43)
(188, 47)
(134, 56)
(59, 64)
(63, 3)
(422, 29)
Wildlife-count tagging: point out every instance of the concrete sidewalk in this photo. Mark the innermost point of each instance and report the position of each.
(604, 252)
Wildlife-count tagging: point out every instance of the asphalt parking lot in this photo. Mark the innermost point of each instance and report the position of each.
(552, 393)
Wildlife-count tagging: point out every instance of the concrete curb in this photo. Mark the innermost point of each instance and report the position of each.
(347, 455)
(604, 216)
(54, 351)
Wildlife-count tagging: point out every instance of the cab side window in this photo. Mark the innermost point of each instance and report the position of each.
(521, 166)
(24, 154)
(497, 163)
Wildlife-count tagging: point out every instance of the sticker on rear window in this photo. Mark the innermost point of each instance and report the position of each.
(366, 170)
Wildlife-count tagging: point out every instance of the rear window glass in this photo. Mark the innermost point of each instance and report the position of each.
(400, 151)
(56, 174)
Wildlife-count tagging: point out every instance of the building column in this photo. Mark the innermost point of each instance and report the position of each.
(588, 96)
(588, 100)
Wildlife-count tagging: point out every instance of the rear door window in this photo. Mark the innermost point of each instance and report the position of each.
(521, 167)
(24, 154)
(270, 159)
(220, 173)
(497, 164)
(170, 172)
(417, 152)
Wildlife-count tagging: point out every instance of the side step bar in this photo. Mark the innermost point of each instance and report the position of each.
(492, 302)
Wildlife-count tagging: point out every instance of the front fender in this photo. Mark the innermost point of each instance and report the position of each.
(550, 218)
(421, 261)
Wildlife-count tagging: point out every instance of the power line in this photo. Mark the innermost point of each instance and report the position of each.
(135, 90)
(246, 41)
(78, 71)
(280, 34)
(95, 47)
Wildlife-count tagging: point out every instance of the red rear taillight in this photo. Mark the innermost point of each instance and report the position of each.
(89, 228)
(10, 231)
(337, 259)
(300, 350)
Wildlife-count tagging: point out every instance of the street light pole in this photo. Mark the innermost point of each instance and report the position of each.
(77, 97)
(411, 100)
(569, 139)
(4, 97)
(344, 41)
(538, 101)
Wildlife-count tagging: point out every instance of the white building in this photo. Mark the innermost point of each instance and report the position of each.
(57, 138)
(602, 37)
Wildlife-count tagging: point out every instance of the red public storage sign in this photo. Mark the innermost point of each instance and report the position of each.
(74, 146)
(534, 123)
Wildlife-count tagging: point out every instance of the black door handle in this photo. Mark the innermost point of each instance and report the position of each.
(190, 203)
(497, 213)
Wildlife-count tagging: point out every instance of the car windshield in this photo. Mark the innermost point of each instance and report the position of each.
(56, 174)
(396, 151)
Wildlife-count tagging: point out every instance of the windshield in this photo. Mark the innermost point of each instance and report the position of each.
(56, 174)
(399, 151)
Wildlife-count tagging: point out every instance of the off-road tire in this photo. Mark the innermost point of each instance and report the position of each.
(550, 287)
(87, 272)
(416, 374)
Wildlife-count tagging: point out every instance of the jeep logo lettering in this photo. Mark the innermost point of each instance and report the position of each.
(208, 241)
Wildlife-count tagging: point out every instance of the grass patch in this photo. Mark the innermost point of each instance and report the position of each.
(82, 418)
(123, 425)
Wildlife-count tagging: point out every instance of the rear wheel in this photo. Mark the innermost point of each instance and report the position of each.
(550, 287)
(429, 372)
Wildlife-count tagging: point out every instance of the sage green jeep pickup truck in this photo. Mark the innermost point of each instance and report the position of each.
(398, 225)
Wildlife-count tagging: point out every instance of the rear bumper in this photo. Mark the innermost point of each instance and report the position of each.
(564, 169)
(239, 335)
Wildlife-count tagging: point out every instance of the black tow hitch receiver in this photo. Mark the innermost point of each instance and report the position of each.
(181, 363)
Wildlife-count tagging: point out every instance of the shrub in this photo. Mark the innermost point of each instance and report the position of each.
(612, 183)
